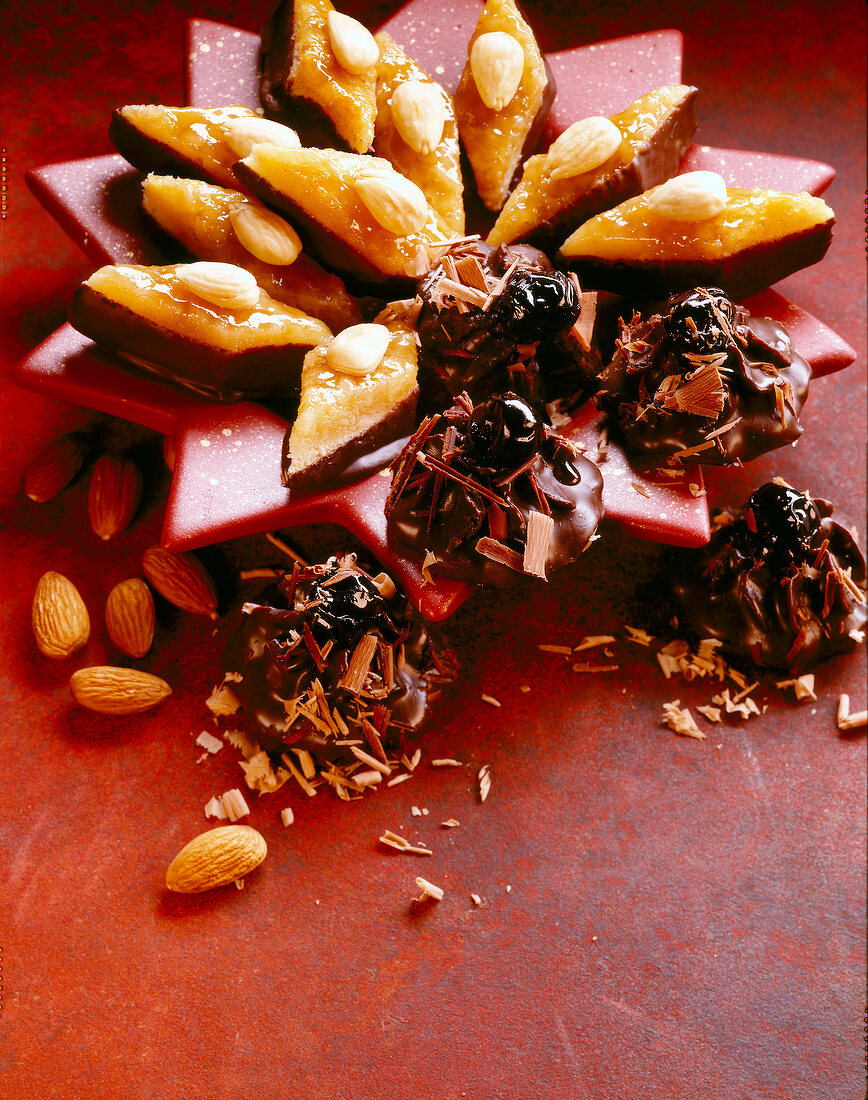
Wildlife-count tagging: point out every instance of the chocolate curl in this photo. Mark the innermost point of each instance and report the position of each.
(353, 679)
(536, 549)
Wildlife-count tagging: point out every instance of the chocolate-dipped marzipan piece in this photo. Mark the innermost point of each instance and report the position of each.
(167, 321)
(490, 494)
(197, 220)
(781, 582)
(642, 249)
(561, 189)
(351, 407)
(501, 120)
(334, 656)
(402, 135)
(302, 83)
(704, 381)
(192, 142)
(320, 192)
(501, 319)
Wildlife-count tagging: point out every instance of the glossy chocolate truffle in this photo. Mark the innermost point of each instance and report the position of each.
(328, 642)
(497, 319)
(781, 582)
(493, 494)
(706, 378)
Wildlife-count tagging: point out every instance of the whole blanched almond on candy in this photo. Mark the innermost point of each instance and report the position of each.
(352, 43)
(113, 496)
(582, 147)
(396, 202)
(130, 618)
(497, 62)
(358, 350)
(120, 691)
(54, 465)
(419, 114)
(216, 858)
(182, 580)
(243, 133)
(61, 624)
(693, 197)
(219, 284)
(265, 235)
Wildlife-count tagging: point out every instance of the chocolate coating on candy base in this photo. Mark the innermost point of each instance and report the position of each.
(782, 614)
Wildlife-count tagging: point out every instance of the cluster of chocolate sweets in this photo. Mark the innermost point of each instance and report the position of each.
(320, 256)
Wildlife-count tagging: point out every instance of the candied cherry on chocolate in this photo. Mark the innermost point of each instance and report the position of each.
(535, 304)
(503, 432)
(782, 523)
(701, 321)
(347, 607)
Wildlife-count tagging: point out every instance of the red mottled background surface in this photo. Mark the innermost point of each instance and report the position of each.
(661, 918)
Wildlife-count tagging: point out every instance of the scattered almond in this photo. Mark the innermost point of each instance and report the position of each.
(359, 349)
(225, 285)
(693, 197)
(582, 147)
(182, 580)
(113, 496)
(265, 234)
(216, 858)
(242, 134)
(419, 114)
(397, 204)
(61, 624)
(497, 65)
(129, 617)
(53, 466)
(110, 690)
(353, 45)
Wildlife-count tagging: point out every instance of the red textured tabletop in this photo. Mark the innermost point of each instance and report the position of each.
(660, 917)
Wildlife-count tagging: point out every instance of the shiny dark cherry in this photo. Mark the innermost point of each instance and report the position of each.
(347, 609)
(782, 523)
(504, 431)
(700, 321)
(535, 304)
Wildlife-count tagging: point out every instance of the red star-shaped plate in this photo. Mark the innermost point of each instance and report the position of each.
(226, 479)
